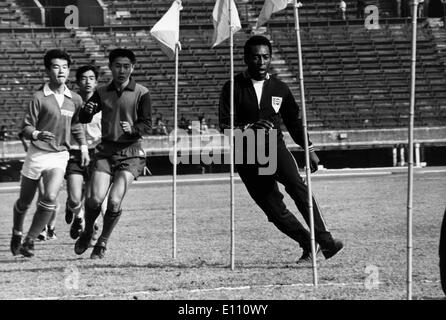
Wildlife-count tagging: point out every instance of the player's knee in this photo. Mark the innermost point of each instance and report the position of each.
(280, 216)
(113, 214)
(93, 203)
(22, 206)
(114, 204)
(295, 187)
(73, 203)
(49, 198)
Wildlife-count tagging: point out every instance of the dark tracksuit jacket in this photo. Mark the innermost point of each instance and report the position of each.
(277, 104)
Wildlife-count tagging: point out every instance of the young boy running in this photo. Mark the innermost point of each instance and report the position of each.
(76, 174)
(120, 159)
(51, 119)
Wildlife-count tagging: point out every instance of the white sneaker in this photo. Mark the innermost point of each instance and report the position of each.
(42, 236)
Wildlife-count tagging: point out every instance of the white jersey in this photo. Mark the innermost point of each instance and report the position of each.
(93, 132)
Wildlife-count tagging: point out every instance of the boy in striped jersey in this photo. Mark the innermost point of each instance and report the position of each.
(51, 119)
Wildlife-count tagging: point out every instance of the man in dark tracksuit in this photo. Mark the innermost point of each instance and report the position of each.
(260, 102)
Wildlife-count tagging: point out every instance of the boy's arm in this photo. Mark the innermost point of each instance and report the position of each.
(78, 133)
(143, 125)
(29, 122)
(224, 114)
(77, 130)
(23, 140)
(293, 122)
(91, 107)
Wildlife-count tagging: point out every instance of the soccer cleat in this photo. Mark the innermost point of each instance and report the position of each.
(27, 248)
(16, 243)
(76, 228)
(51, 234)
(83, 243)
(98, 251)
(68, 215)
(335, 247)
(43, 235)
(307, 257)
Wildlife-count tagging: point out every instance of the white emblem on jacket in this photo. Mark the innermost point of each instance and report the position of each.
(66, 113)
(276, 102)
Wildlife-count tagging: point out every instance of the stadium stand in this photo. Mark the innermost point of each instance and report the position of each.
(11, 15)
(354, 78)
(358, 78)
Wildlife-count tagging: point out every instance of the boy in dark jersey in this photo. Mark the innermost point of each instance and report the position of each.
(120, 159)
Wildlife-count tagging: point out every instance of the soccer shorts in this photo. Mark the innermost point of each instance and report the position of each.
(110, 159)
(74, 164)
(38, 161)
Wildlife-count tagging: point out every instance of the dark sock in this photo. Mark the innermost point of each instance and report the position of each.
(76, 211)
(91, 214)
(19, 218)
(40, 219)
(110, 220)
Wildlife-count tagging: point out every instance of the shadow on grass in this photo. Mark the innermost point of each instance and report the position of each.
(160, 265)
(13, 260)
(54, 243)
(429, 298)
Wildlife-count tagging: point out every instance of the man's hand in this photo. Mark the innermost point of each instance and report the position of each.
(45, 136)
(126, 127)
(314, 161)
(85, 158)
(261, 124)
(90, 107)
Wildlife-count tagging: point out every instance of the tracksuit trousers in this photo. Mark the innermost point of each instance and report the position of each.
(265, 192)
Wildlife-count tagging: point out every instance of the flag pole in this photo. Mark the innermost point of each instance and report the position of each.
(175, 159)
(297, 5)
(231, 138)
(410, 163)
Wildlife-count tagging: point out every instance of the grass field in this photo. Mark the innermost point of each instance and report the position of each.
(367, 212)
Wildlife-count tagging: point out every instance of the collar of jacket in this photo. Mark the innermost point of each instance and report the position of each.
(47, 91)
(131, 85)
(248, 77)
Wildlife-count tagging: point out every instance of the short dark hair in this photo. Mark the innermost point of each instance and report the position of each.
(257, 41)
(84, 69)
(120, 52)
(55, 54)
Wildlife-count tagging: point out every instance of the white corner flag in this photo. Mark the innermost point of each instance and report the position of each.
(270, 7)
(220, 17)
(167, 30)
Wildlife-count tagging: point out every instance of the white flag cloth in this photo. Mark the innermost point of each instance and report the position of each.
(167, 30)
(270, 7)
(220, 17)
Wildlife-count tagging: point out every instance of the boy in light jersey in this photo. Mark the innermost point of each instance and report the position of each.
(51, 119)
